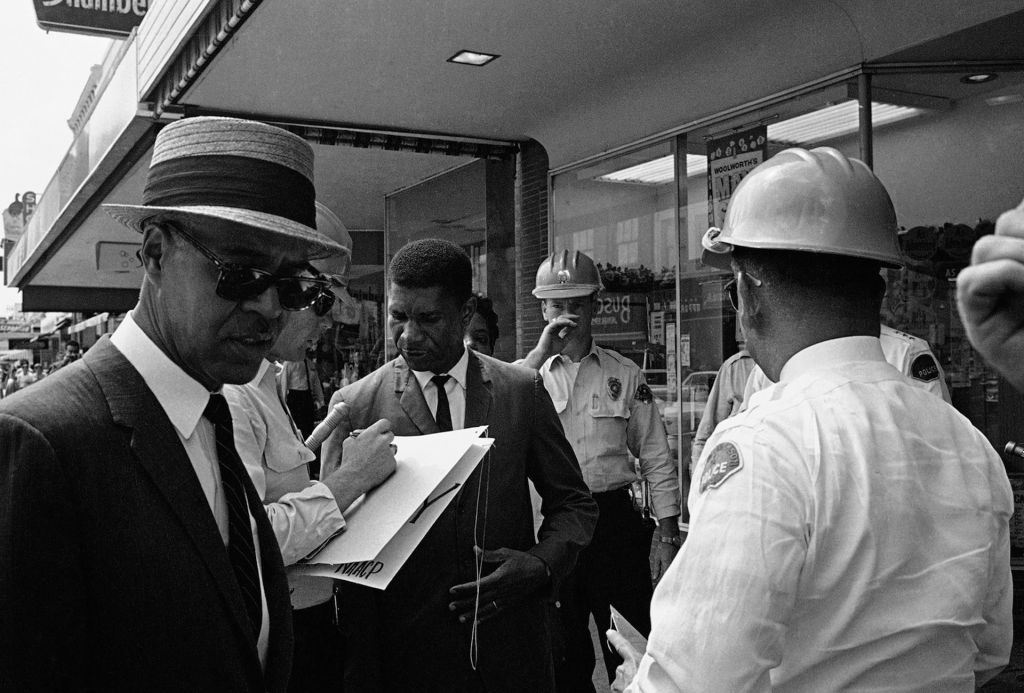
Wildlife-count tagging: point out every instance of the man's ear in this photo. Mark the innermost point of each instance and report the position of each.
(155, 240)
(751, 296)
(467, 310)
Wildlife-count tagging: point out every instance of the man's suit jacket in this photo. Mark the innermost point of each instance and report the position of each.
(113, 575)
(406, 639)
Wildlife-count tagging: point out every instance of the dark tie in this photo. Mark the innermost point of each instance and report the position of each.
(232, 476)
(444, 413)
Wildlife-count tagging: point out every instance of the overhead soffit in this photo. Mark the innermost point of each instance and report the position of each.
(353, 182)
(580, 76)
(74, 263)
(348, 180)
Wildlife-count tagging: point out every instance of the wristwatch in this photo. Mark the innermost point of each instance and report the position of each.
(676, 541)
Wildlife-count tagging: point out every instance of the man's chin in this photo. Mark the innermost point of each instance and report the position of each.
(418, 361)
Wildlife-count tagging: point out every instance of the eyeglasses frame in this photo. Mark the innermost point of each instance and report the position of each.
(731, 287)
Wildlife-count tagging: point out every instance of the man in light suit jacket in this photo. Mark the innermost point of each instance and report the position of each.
(418, 634)
(133, 556)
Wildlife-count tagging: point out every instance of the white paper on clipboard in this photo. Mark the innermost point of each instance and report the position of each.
(628, 631)
(383, 532)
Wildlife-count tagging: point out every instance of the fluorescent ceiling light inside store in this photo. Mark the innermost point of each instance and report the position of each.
(657, 171)
(835, 121)
(825, 124)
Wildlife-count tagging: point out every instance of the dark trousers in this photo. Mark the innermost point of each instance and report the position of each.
(319, 659)
(614, 570)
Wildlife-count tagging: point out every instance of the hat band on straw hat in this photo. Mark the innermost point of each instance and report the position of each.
(232, 181)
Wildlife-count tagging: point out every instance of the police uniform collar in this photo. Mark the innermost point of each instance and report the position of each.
(562, 360)
(825, 355)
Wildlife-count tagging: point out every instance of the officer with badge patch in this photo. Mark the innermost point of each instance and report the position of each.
(848, 530)
(608, 413)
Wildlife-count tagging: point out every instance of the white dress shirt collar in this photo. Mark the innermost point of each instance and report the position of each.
(824, 355)
(264, 365)
(180, 395)
(457, 372)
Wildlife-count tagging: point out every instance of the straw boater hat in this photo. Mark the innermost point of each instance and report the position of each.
(257, 177)
(336, 266)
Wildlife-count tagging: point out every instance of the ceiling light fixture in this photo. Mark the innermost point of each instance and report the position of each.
(474, 58)
(1004, 99)
(978, 78)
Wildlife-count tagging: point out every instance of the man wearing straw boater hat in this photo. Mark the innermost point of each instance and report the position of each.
(136, 553)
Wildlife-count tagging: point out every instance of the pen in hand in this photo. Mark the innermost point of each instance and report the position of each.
(355, 434)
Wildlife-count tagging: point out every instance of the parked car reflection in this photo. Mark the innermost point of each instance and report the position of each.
(685, 413)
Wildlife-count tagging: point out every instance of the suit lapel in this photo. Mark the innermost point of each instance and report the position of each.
(160, 453)
(478, 392)
(407, 388)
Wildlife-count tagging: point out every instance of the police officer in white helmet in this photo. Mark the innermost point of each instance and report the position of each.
(608, 413)
(848, 531)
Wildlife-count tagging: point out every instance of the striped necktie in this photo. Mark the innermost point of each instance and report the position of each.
(241, 549)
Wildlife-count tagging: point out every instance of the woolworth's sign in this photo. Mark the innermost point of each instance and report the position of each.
(115, 18)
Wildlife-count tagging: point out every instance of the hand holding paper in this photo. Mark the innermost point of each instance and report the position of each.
(520, 575)
(630, 644)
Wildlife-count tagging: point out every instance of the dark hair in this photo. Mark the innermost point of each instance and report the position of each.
(847, 281)
(72, 342)
(434, 262)
(485, 307)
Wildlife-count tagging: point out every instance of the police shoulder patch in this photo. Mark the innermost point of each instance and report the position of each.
(924, 368)
(722, 462)
(644, 394)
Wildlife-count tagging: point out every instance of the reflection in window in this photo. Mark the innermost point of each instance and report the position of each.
(627, 235)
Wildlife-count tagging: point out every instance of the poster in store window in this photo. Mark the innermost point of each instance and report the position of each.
(730, 159)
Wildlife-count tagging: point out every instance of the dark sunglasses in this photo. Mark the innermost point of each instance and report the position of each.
(324, 301)
(239, 283)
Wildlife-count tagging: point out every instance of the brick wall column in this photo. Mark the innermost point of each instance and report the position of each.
(531, 203)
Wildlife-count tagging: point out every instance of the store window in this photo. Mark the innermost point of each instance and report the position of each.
(951, 171)
(622, 212)
(948, 150)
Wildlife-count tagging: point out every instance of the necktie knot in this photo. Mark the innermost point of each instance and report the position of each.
(216, 410)
(440, 380)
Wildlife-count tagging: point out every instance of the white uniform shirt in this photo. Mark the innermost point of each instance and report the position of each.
(302, 512)
(908, 354)
(849, 531)
(183, 399)
(724, 400)
(608, 412)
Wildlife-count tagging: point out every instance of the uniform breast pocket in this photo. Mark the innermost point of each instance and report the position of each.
(606, 439)
(286, 463)
(283, 462)
(608, 412)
